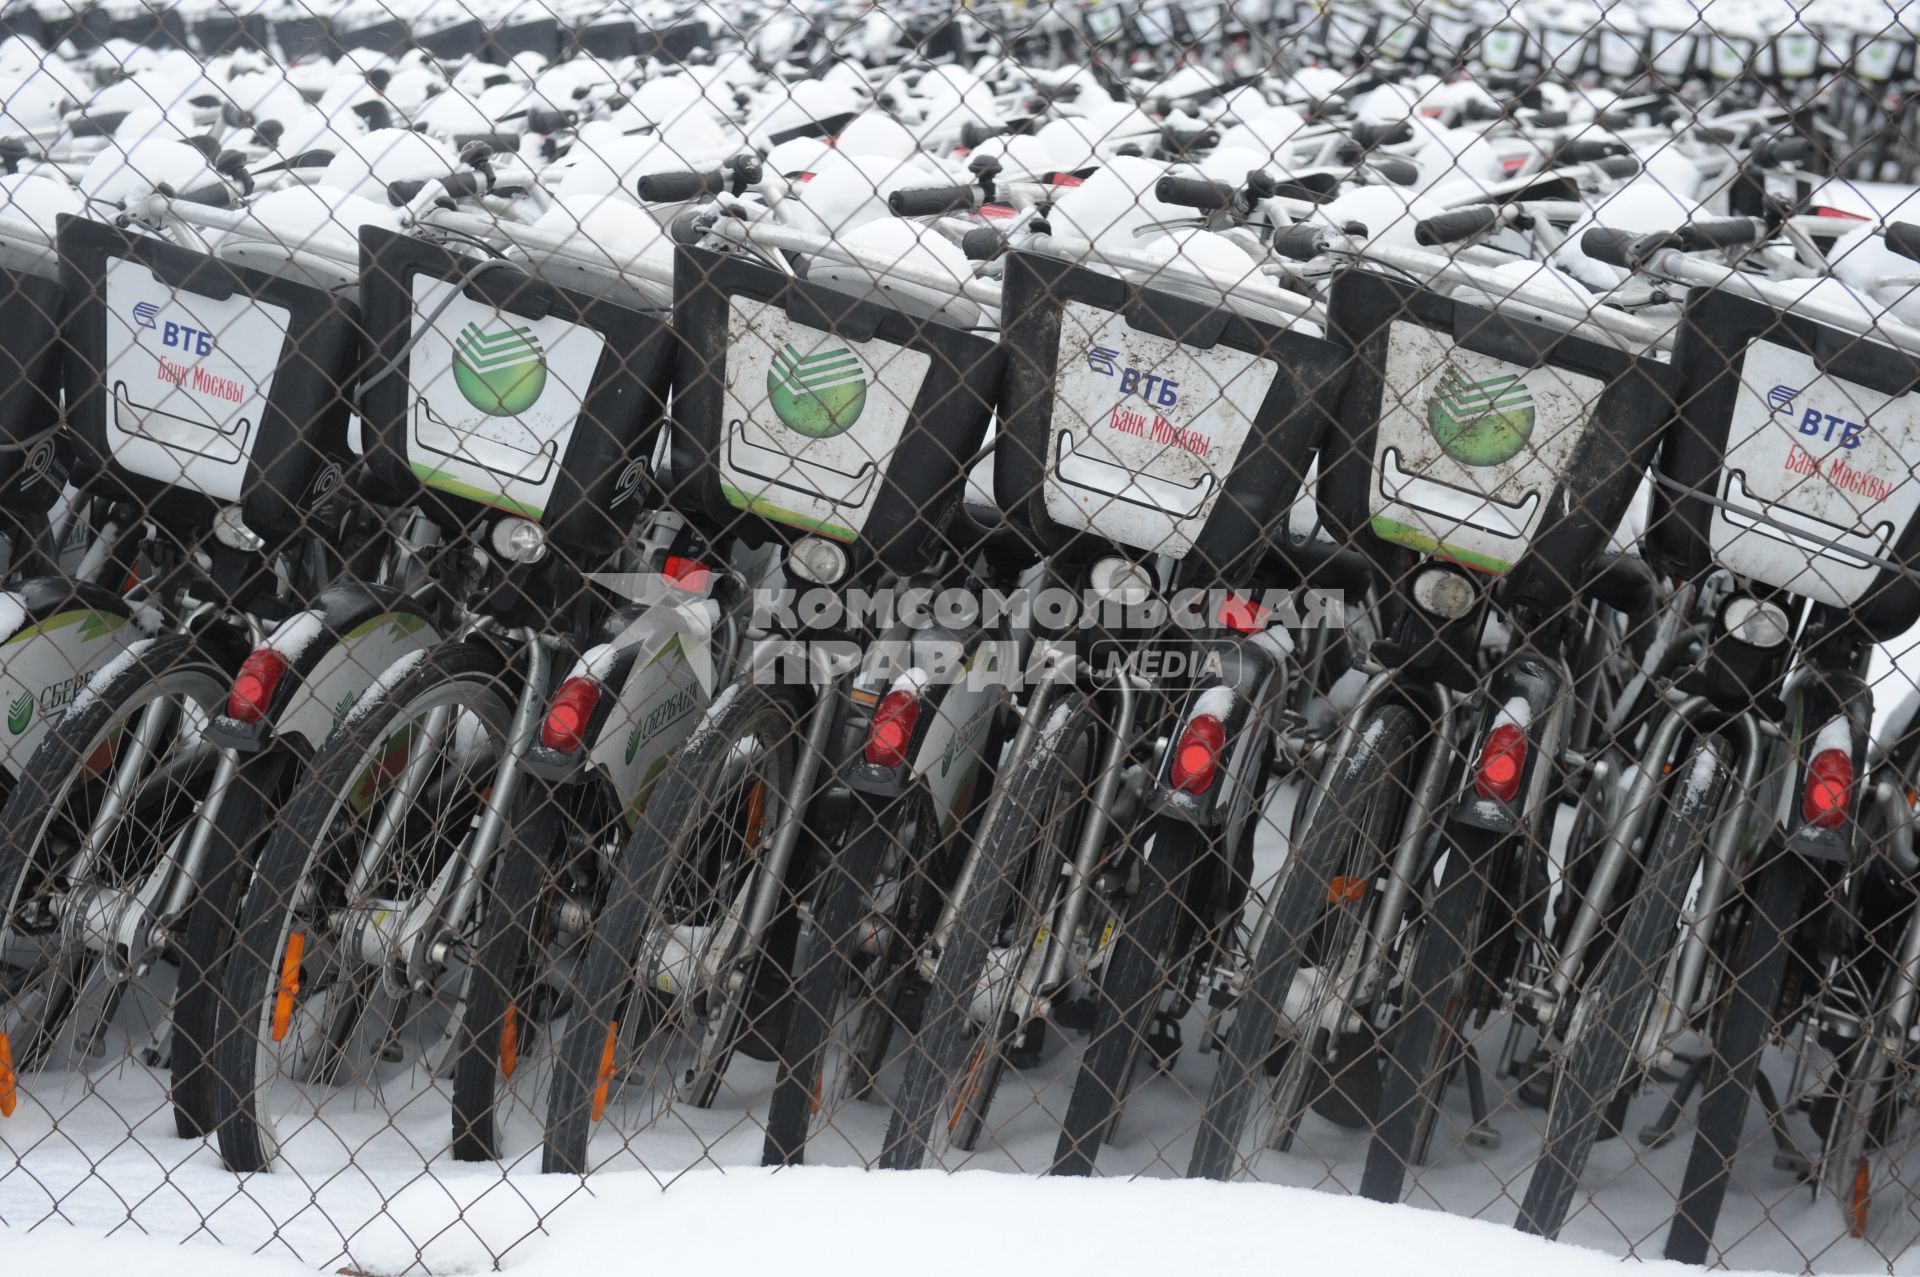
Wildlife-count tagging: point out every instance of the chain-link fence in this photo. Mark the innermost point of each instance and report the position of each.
(1239, 592)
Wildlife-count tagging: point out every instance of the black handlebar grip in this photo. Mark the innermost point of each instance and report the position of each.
(931, 201)
(1193, 192)
(1456, 224)
(1587, 150)
(1370, 134)
(1302, 243)
(454, 185)
(1549, 119)
(1782, 150)
(1399, 171)
(1604, 244)
(1720, 233)
(1904, 239)
(676, 188)
(549, 120)
(974, 132)
(1621, 166)
(983, 243)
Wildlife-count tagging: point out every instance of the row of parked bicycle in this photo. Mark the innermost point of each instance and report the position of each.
(402, 661)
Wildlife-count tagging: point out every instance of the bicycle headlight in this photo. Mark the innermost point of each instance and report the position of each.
(818, 560)
(1755, 622)
(1443, 592)
(519, 540)
(1120, 580)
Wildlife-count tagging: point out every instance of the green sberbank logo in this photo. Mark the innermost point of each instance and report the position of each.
(20, 713)
(818, 395)
(500, 373)
(1481, 423)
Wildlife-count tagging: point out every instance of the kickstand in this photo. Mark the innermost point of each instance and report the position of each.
(1480, 1135)
(1660, 1130)
(1786, 1154)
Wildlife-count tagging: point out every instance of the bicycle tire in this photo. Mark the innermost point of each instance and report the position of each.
(1137, 974)
(504, 953)
(1424, 1032)
(1759, 971)
(1234, 1103)
(253, 975)
(39, 795)
(585, 1053)
(241, 825)
(830, 988)
(1597, 1057)
(945, 1054)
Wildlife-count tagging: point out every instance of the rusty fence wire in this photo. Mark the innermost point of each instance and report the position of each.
(1237, 591)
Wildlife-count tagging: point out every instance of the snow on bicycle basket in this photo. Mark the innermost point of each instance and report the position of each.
(197, 382)
(507, 392)
(1150, 419)
(823, 412)
(1791, 463)
(1480, 437)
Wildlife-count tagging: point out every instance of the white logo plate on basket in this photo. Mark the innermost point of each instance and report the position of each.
(492, 398)
(812, 419)
(187, 379)
(1470, 448)
(1823, 460)
(1145, 431)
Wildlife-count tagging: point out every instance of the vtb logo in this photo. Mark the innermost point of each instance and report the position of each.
(819, 395)
(1481, 423)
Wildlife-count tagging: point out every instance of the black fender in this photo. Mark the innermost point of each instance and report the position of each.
(1248, 668)
(1540, 685)
(334, 650)
(1827, 695)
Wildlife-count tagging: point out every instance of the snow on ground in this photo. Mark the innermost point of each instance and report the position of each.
(368, 1183)
(827, 1221)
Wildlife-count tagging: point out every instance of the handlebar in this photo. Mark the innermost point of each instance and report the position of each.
(931, 201)
(456, 185)
(1728, 232)
(677, 188)
(1782, 150)
(1194, 192)
(1904, 239)
(1301, 243)
(1587, 150)
(1456, 224)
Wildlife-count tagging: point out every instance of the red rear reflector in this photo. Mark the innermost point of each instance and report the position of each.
(255, 684)
(566, 726)
(1841, 212)
(1502, 761)
(892, 729)
(1829, 789)
(1243, 616)
(687, 574)
(1196, 758)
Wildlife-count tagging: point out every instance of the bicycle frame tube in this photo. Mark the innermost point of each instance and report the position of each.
(1627, 831)
(1087, 855)
(1722, 853)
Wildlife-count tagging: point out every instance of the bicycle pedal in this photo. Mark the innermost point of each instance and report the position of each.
(1794, 1163)
(1163, 1039)
(1484, 1137)
(1026, 1050)
(390, 1052)
(1654, 1135)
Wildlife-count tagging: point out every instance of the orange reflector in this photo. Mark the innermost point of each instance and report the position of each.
(819, 1091)
(605, 1077)
(8, 1098)
(970, 1086)
(756, 813)
(1862, 1199)
(509, 1041)
(1345, 890)
(289, 984)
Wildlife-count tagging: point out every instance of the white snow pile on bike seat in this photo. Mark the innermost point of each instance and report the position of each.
(366, 166)
(1114, 202)
(894, 245)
